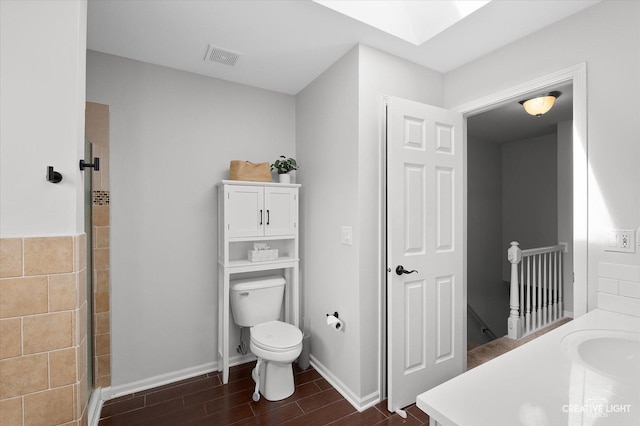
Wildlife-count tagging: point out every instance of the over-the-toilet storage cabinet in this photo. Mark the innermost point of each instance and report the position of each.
(248, 213)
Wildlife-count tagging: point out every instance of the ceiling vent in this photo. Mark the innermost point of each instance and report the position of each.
(223, 56)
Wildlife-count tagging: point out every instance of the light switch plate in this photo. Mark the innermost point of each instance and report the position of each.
(346, 236)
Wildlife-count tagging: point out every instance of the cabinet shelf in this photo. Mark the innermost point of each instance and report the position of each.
(262, 238)
(282, 262)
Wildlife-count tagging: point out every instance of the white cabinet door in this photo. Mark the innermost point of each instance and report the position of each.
(245, 211)
(281, 209)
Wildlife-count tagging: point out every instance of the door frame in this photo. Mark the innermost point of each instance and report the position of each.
(577, 75)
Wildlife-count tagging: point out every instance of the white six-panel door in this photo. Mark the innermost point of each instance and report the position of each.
(425, 345)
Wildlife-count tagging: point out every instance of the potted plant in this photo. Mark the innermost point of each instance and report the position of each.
(283, 166)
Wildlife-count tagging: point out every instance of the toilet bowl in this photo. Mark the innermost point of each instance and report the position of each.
(276, 344)
(257, 303)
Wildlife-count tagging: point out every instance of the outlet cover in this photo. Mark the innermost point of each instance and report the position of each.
(621, 240)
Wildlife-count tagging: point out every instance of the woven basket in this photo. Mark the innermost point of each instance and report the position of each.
(246, 170)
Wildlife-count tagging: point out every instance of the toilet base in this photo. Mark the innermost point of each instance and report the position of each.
(276, 380)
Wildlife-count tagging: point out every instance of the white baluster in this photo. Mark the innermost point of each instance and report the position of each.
(561, 286)
(554, 297)
(522, 289)
(529, 318)
(534, 283)
(545, 282)
(514, 325)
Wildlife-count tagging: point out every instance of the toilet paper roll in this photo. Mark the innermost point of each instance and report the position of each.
(334, 322)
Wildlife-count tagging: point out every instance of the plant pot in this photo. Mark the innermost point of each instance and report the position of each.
(284, 178)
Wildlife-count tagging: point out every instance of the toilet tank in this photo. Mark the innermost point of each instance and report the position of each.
(256, 300)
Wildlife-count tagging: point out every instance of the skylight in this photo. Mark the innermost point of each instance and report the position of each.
(414, 21)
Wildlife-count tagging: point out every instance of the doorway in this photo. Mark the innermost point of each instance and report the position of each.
(518, 189)
(576, 76)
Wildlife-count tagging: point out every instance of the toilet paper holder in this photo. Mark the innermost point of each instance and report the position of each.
(338, 324)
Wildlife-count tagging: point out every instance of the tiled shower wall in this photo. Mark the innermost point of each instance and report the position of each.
(101, 308)
(43, 331)
(97, 132)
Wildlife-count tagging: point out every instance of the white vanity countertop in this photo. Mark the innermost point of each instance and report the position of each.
(540, 384)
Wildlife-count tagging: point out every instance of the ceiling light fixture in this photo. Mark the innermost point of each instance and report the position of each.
(541, 104)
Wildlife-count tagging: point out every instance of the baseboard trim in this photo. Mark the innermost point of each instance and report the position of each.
(358, 403)
(161, 379)
(568, 314)
(174, 376)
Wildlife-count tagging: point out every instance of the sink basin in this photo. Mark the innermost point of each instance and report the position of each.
(613, 353)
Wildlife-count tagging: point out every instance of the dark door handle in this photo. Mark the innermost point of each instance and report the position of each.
(400, 270)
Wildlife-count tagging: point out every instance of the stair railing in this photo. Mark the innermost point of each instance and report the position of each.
(535, 299)
(484, 327)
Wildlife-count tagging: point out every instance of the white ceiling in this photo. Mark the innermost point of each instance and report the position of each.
(286, 44)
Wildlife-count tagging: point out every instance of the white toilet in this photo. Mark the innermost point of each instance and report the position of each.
(257, 303)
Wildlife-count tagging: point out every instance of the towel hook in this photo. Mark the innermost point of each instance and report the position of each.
(53, 176)
(95, 164)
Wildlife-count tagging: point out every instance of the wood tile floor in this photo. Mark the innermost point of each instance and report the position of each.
(203, 400)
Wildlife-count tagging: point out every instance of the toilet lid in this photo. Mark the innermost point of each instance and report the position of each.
(276, 335)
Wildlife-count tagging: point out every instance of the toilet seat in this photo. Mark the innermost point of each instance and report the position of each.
(276, 336)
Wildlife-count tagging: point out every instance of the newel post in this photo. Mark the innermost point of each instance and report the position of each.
(514, 323)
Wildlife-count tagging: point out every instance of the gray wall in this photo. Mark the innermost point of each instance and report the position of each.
(338, 122)
(172, 136)
(529, 195)
(485, 289)
(327, 149)
(604, 36)
(42, 117)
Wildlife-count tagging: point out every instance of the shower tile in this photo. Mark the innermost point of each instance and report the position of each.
(101, 301)
(50, 407)
(47, 332)
(10, 257)
(103, 382)
(101, 323)
(101, 259)
(81, 357)
(81, 252)
(62, 367)
(23, 375)
(102, 236)
(48, 255)
(81, 393)
(11, 332)
(62, 292)
(100, 215)
(103, 344)
(101, 280)
(103, 365)
(11, 411)
(23, 296)
(82, 287)
(81, 321)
